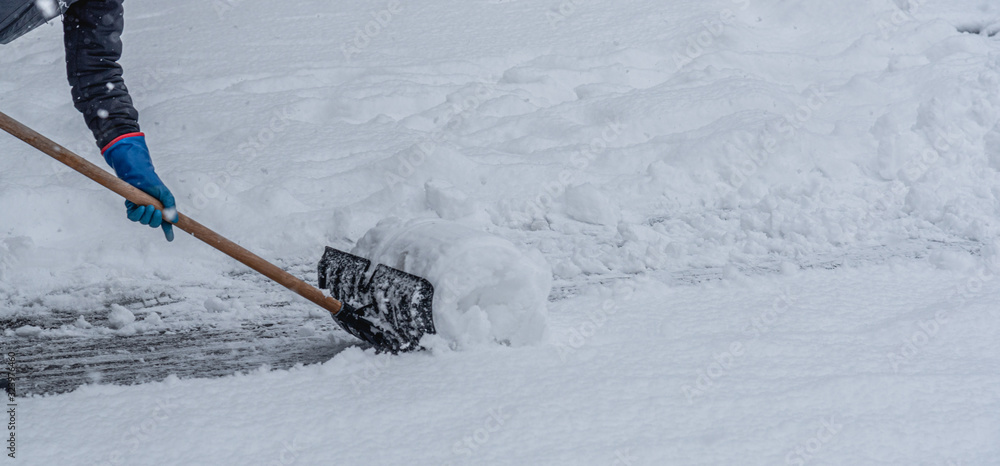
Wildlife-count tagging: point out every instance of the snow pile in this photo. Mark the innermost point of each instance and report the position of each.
(587, 204)
(119, 317)
(485, 288)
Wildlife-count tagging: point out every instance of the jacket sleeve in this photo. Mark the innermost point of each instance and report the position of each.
(17, 17)
(92, 34)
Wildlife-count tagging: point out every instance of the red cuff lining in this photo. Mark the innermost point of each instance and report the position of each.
(119, 138)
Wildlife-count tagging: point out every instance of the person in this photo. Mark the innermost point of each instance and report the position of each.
(92, 36)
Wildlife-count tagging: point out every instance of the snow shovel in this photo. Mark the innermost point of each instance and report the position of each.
(387, 308)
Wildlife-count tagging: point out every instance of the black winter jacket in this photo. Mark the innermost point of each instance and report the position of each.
(92, 35)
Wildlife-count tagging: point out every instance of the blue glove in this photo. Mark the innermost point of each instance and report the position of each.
(129, 157)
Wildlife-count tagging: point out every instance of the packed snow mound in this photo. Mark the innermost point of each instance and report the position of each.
(119, 317)
(485, 288)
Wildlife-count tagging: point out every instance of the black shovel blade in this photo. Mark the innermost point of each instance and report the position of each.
(391, 310)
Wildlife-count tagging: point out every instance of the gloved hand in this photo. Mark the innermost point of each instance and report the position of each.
(129, 157)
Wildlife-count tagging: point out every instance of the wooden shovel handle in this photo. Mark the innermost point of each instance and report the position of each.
(183, 222)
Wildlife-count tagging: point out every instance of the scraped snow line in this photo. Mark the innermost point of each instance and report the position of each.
(648, 380)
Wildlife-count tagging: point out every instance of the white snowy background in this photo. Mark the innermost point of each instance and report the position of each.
(771, 224)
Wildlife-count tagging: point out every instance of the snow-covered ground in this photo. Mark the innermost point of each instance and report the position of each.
(771, 227)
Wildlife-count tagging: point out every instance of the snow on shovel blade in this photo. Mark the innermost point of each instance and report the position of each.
(390, 310)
